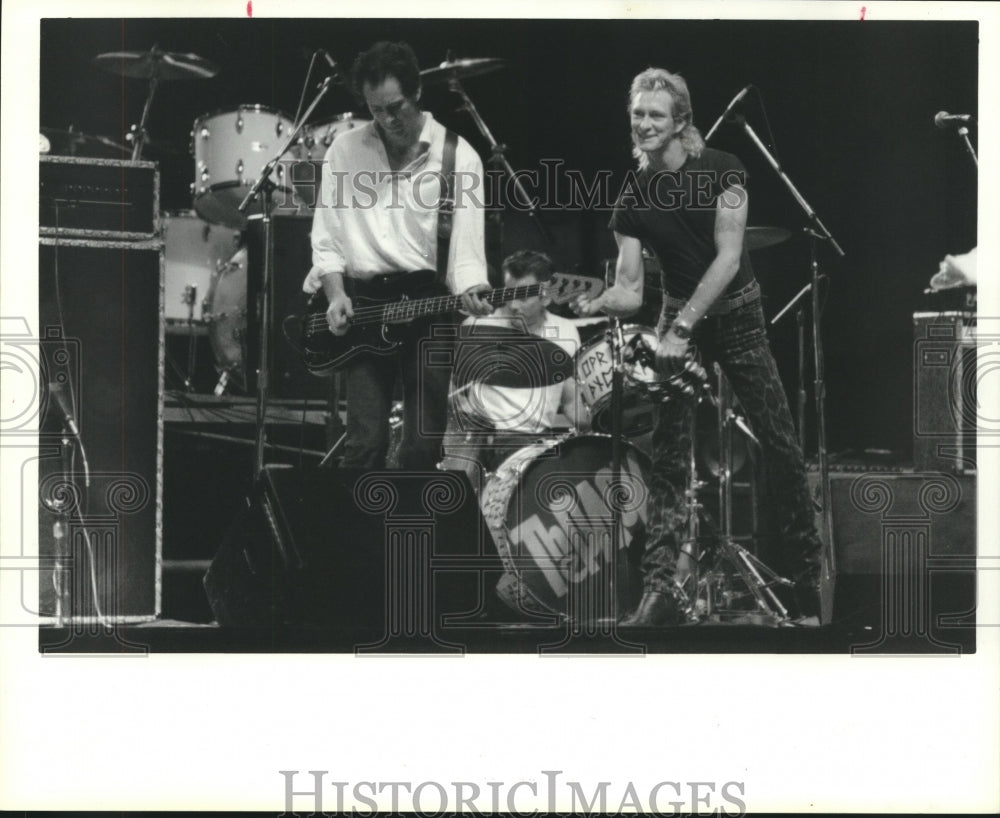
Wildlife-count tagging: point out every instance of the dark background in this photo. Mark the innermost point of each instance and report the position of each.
(850, 106)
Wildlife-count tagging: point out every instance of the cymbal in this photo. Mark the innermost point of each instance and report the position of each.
(756, 238)
(74, 143)
(460, 69)
(164, 65)
(508, 357)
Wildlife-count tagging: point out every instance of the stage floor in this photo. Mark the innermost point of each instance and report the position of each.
(866, 621)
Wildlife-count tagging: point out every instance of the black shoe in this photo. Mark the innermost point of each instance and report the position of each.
(655, 609)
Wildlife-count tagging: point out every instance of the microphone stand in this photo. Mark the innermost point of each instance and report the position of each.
(817, 231)
(800, 343)
(964, 133)
(265, 187)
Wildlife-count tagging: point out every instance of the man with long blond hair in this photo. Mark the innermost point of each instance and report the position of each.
(690, 209)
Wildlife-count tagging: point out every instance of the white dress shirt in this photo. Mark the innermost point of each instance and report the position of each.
(371, 220)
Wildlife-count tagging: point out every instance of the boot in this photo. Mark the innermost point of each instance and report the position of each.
(655, 609)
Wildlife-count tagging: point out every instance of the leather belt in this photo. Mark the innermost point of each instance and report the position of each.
(723, 305)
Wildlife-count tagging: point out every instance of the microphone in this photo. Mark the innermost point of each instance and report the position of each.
(729, 108)
(336, 72)
(943, 119)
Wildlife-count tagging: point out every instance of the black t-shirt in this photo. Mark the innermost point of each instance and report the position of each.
(673, 214)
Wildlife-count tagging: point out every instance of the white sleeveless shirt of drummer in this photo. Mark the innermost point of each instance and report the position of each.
(518, 409)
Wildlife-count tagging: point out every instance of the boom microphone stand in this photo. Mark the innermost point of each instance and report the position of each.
(265, 187)
(817, 232)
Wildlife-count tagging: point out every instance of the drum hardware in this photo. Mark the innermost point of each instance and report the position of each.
(708, 567)
(73, 143)
(190, 296)
(453, 71)
(816, 231)
(153, 65)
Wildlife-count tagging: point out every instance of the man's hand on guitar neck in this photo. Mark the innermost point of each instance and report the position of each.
(473, 304)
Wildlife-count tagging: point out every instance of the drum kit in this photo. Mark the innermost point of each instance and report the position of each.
(567, 511)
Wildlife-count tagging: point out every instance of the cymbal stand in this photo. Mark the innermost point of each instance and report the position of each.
(706, 574)
(138, 134)
(265, 187)
(498, 157)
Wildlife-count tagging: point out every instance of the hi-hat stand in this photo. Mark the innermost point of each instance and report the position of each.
(708, 567)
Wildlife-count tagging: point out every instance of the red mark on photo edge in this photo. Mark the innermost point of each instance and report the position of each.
(863, 10)
(250, 10)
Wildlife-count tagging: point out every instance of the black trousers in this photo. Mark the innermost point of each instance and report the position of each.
(738, 342)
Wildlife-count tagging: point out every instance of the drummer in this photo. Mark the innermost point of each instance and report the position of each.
(487, 422)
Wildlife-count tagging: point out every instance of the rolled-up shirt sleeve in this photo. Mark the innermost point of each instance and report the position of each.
(467, 252)
(327, 231)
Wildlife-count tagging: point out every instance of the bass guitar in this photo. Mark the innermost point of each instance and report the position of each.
(372, 327)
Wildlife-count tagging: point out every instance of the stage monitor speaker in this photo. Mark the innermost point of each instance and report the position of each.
(944, 405)
(310, 548)
(292, 261)
(872, 510)
(101, 361)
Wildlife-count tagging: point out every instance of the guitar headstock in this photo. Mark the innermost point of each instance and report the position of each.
(564, 287)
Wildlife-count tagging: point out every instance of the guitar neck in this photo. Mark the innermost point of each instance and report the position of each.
(401, 311)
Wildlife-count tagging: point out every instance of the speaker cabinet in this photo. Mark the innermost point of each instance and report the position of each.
(399, 553)
(874, 510)
(944, 405)
(101, 362)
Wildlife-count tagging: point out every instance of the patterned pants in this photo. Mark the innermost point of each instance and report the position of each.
(738, 342)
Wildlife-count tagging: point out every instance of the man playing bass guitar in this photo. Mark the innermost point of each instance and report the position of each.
(377, 222)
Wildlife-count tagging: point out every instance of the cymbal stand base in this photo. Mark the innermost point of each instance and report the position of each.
(718, 574)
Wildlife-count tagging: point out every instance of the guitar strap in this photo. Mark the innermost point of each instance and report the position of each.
(446, 205)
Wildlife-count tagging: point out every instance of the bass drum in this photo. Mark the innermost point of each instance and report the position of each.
(549, 508)
(226, 316)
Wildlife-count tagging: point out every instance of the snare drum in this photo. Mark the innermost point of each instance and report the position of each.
(230, 150)
(593, 377)
(193, 250)
(226, 315)
(549, 509)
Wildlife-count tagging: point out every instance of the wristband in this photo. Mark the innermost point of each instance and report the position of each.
(682, 332)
